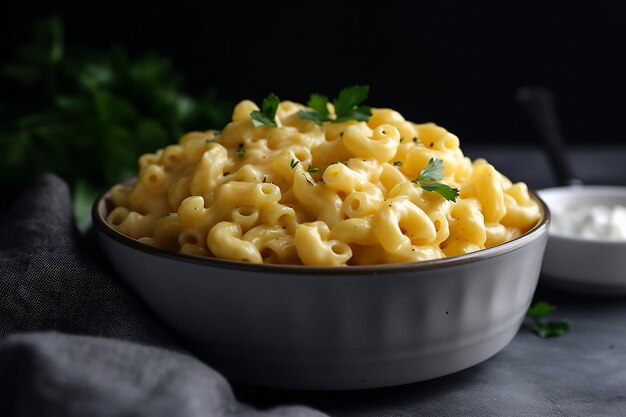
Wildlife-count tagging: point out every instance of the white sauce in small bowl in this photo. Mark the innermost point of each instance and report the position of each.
(586, 250)
(597, 221)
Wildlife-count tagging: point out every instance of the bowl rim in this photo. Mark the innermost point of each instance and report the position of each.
(561, 238)
(99, 210)
(618, 190)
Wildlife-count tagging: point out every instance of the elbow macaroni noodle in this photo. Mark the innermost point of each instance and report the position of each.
(336, 194)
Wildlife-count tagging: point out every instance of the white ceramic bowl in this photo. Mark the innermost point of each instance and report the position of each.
(578, 264)
(331, 328)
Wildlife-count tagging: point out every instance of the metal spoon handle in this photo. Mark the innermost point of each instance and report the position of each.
(539, 105)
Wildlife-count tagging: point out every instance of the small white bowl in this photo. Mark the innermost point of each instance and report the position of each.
(331, 328)
(578, 264)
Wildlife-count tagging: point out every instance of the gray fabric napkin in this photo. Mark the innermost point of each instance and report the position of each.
(74, 341)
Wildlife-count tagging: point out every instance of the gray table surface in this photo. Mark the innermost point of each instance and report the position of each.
(580, 374)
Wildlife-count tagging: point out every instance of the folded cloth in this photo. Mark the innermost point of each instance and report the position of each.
(51, 281)
(50, 374)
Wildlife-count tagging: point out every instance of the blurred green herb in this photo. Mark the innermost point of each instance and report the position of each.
(88, 115)
(537, 312)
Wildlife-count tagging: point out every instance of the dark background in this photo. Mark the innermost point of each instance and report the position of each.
(457, 64)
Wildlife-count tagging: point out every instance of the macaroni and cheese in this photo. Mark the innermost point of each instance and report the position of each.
(330, 194)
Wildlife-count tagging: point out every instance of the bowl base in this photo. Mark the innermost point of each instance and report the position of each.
(359, 373)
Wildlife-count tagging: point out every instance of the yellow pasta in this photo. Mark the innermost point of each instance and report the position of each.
(315, 248)
(329, 194)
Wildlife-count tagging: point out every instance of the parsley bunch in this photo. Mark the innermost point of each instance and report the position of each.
(347, 106)
(87, 116)
(434, 172)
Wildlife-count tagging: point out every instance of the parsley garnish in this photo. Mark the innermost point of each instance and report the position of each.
(434, 172)
(347, 106)
(318, 103)
(240, 152)
(307, 179)
(542, 328)
(313, 170)
(293, 163)
(267, 115)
